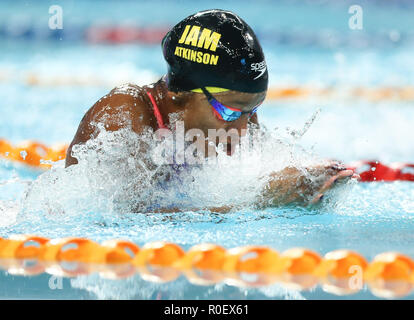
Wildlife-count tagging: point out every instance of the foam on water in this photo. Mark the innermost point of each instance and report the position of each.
(114, 185)
(113, 176)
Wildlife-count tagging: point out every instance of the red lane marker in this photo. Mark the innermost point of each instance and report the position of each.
(377, 171)
(125, 34)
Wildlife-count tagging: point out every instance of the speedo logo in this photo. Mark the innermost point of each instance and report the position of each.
(259, 67)
(199, 38)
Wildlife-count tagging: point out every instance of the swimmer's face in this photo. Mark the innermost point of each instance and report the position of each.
(200, 114)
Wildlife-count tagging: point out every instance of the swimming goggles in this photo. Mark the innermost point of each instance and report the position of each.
(224, 112)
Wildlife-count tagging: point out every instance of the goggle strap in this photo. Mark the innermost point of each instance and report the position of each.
(218, 115)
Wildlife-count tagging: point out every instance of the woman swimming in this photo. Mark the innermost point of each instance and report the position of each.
(217, 78)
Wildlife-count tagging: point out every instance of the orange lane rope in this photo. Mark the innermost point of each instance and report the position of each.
(32, 153)
(276, 92)
(300, 268)
(371, 94)
(38, 155)
(340, 272)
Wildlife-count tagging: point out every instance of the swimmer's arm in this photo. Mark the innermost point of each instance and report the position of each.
(290, 186)
(113, 112)
(303, 187)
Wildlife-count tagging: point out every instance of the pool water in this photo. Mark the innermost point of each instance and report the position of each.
(70, 76)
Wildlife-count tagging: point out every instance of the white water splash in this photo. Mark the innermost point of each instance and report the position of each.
(8, 213)
(113, 176)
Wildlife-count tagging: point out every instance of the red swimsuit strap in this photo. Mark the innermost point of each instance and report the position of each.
(157, 112)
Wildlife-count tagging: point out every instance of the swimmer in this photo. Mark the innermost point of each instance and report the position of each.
(217, 78)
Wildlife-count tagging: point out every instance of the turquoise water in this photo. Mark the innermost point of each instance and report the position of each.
(369, 218)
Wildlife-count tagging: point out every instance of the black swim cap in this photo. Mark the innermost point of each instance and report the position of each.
(214, 48)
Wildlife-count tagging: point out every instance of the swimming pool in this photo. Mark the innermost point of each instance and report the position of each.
(46, 86)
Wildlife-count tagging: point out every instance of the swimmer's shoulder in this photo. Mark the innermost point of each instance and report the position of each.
(125, 105)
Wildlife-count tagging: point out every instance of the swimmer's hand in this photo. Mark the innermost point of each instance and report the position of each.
(303, 186)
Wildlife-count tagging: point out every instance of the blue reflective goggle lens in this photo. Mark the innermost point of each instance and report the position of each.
(224, 112)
